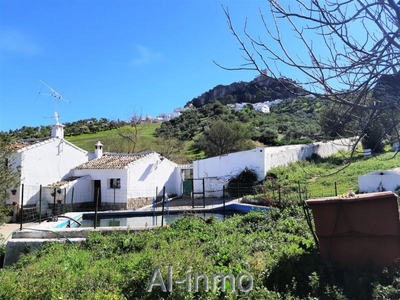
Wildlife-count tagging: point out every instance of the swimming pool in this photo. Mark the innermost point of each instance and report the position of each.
(140, 220)
(143, 218)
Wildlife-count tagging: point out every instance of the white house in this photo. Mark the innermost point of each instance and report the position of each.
(262, 106)
(68, 174)
(128, 180)
(42, 162)
(216, 171)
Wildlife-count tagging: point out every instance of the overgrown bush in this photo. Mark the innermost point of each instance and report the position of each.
(242, 184)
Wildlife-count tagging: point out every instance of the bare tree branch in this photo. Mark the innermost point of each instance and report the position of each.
(347, 52)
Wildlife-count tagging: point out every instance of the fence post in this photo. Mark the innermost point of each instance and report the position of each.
(54, 202)
(223, 199)
(40, 204)
(114, 200)
(22, 206)
(97, 207)
(299, 189)
(335, 189)
(65, 200)
(204, 194)
(279, 195)
(162, 210)
(72, 199)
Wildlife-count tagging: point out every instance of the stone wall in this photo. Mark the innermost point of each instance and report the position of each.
(135, 203)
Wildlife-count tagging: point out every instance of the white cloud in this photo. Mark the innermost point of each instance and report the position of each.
(145, 56)
(12, 40)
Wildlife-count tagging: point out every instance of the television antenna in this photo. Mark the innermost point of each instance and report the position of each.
(57, 96)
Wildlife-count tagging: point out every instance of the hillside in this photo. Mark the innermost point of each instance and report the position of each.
(110, 138)
(291, 121)
(261, 89)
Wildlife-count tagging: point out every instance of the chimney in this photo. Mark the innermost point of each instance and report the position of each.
(98, 150)
(57, 131)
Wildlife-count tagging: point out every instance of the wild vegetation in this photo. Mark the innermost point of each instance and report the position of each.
(79, 127)
(290, 122)
(276, 249)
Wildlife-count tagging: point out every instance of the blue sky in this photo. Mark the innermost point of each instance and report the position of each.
(117, 58)
(113, 58)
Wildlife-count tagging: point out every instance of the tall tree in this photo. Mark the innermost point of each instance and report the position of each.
(130, 133)
(345, 52)
(224, 137)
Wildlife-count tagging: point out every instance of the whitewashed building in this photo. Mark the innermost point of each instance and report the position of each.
(68, 174)
(42, 162)
(128, 180)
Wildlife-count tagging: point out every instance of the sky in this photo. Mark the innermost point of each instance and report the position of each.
(116, 59)
(113, 59)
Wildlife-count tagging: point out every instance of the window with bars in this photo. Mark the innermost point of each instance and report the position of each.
(115, 183)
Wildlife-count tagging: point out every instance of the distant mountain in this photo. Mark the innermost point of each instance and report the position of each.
(261, 89)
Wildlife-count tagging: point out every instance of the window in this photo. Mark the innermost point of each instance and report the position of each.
(187, 174)
(115, 183)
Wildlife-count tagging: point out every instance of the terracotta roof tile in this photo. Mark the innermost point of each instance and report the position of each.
(112, 161)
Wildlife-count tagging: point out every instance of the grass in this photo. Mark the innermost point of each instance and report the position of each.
(146, 141)
(87, 141)
(319, 176)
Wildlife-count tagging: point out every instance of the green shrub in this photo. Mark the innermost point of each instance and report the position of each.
(242, 184)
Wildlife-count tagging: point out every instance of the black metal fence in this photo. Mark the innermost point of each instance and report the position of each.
(277, 194)
(270, 194)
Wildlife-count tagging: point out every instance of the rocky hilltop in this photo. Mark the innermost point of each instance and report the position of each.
(262, 88)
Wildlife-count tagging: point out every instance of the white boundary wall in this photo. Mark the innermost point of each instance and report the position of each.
(219, 169)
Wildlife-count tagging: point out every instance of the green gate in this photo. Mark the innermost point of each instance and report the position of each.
(188, 187)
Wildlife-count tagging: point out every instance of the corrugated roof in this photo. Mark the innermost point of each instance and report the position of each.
(112, 161)
(20, 144)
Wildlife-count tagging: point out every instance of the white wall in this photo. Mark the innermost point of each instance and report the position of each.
(219, 169)
(284, 155)
(44, 163)
(231, 164)
(149, 173)
(378, 181)
(50, 161)
(107, 194)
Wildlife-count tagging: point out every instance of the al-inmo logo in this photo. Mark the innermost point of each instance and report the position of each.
(195, 282)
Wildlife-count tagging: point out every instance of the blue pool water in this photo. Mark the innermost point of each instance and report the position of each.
(142, 221)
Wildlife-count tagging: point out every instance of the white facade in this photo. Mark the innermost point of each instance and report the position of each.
(138, 179)
(378, 181)
(151, 173)
(263, 107)
(218, 170)
(52, 163)
(43, 163)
